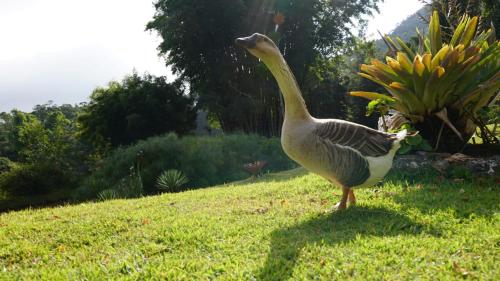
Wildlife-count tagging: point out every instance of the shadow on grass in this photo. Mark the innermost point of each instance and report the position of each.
(52, 199)
(331, 229)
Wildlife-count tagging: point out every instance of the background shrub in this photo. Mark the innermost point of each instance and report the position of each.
(6, 165)
(34, 179)
(205, 161)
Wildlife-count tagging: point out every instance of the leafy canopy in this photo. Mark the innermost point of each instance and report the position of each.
(135, 109)
(198, 40)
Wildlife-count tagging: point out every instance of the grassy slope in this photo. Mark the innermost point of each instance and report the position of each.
(274, 229)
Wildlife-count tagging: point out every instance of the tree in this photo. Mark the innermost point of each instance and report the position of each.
(49, 154)
(198, 40)
(6, 149)
(451, 12)
(42, 111)
(135, 109)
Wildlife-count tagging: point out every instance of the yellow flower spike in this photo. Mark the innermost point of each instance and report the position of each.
(419, 77)
(440, 71)
(405, 62)
(439, 57)
(418, 66)
(394, 64)
(426, 60)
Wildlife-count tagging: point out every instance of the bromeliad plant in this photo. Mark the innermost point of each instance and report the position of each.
(439, 84)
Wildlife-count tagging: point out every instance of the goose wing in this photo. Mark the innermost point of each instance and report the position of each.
(345, 164)
(367, 141)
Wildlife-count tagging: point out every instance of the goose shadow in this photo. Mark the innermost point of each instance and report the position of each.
(331, 229)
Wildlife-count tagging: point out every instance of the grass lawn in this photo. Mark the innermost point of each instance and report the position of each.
(274, 228)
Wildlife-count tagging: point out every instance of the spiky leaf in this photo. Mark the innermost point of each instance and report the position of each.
(435, 33)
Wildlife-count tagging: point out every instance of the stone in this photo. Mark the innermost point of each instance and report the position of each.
(442, 162)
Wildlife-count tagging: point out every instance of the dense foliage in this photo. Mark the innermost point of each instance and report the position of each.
(450, 82)
(135, 109)
(198, 37)
(451, 11)
(6, 164)
(46, 146)
(204, 160)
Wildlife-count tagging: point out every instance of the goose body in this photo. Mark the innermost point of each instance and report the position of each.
(347, 154)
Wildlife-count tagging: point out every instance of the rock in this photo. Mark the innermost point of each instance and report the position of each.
(441, 165)
(459, 158)
(442, 162)
(489, 165)
(410, 162)
(434, 155)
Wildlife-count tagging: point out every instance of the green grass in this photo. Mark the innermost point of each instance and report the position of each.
(276, 228)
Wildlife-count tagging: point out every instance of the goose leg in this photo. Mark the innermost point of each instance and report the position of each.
(352, 198)
(343, 202)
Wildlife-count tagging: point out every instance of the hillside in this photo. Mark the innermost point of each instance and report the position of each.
(406, 29)
(276, 228)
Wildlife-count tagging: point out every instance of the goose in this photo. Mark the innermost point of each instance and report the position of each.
(347, 154)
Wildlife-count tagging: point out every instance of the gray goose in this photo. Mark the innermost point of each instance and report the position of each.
(347, 154)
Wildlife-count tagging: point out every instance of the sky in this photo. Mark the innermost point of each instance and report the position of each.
(61, 50)
(392, 12)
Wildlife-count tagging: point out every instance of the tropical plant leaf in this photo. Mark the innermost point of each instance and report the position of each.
(429, 98)
(469, 32)
(407, 97)
(371, 96)
(414, 140)
(458, 33)
(405, 48)
(421, 43)
(435, 33)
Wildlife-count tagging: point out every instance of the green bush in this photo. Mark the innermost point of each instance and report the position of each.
(6, 165)
(205, 161)
(34, 179)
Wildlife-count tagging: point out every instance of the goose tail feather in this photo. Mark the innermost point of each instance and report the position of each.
(401, 135)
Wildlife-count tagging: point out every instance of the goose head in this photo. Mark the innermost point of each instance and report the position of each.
(260, 46)
(264, 48)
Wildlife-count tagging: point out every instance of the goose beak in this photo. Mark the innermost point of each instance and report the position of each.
(247, 42)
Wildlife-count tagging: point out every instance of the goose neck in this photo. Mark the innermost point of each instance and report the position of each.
(295, 106)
